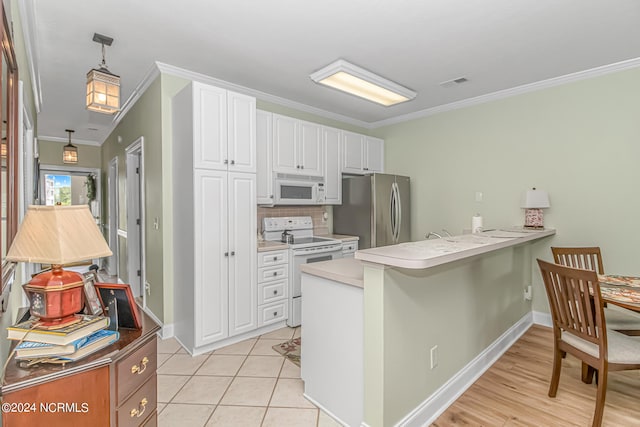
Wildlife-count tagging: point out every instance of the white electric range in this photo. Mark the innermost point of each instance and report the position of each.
(306, 248)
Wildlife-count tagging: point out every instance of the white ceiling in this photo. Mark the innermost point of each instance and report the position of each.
(272, 46)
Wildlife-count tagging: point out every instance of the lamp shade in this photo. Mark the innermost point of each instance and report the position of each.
(536, 199)
(58, 235)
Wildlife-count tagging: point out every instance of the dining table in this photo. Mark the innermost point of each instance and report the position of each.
(623, 291)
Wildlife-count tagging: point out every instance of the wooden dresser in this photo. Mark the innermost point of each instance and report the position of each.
(116, 386)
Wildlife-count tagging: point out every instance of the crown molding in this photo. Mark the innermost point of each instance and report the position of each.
(27, 14)
(507, 93)
(140, 89)
(202, 78)
(66, 140)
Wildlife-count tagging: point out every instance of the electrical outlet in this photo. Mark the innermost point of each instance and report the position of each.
(478, 196)
(434, 356)
(528, 293)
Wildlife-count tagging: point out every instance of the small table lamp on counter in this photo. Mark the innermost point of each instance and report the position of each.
(57, 235)
(534, 202)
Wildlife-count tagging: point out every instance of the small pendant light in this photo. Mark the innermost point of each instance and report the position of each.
(103, 87)
(70, 151)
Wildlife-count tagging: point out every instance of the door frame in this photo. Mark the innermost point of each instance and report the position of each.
(136, 149)
(114, 212)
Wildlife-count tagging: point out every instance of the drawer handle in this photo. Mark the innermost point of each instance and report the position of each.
(275, 313)
(137, 412)
(233, 162)
(275, 292)
(275, 258)
(275, 273)
(137, 369)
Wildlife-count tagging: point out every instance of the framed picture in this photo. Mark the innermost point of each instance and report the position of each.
(91, 301)
(119, 296)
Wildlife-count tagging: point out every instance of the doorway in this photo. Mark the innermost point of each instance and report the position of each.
(135, 218)
(112, 266)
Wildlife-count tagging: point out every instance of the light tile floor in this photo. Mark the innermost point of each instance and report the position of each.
(245, 384)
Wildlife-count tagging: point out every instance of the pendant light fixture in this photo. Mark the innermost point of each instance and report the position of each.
(70, 151)
(103, 87)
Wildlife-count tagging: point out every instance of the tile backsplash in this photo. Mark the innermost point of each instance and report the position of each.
(320, 225)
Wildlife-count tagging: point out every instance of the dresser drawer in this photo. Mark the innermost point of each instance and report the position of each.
(270, 274)
(272, 291)
(266, 259)
(135, 369)
(136, 409)
(152, 421)
(272, 313)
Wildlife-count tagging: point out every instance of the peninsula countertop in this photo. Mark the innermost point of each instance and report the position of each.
(433, 252)
(343, 270)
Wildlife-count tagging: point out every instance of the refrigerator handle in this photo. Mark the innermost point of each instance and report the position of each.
(392, 212)
(395, 224)
(399, 211)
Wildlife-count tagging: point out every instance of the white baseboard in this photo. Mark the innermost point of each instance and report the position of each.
(430, 409)
(542, 318)
(166, 330)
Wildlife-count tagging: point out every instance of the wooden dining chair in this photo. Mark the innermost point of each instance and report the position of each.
(579, 328)
(590, 258)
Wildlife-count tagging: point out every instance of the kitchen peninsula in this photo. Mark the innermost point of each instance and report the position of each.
(395, 335)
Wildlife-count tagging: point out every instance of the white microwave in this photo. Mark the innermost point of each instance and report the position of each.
(292, 189)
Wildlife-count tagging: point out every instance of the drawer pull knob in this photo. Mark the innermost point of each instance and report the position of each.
(275, 273)
(275, 292)
(275, 313)
(275, 258)
(136, 369)
(137, 412)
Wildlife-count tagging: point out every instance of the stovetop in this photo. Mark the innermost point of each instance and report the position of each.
(313, 239)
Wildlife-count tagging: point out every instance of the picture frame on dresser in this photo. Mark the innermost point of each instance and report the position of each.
(92, 303)
(120, 296)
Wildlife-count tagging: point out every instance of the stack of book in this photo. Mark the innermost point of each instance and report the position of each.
(69, 343)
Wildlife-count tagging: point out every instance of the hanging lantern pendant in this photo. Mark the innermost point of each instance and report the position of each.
(70, 151)
(103, 87)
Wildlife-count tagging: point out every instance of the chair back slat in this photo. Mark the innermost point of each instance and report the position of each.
(589, 258)
(575, 302)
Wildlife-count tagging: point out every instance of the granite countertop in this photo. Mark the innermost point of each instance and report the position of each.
(343, 237)
(265, 246)
(343, 270)
(433, 252)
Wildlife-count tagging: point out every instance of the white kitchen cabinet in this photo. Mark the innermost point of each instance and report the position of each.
(362, 154)
(214, 229)
(273, 286)
(264, 161)
(223, 127)
(332, 165)
(297, 146)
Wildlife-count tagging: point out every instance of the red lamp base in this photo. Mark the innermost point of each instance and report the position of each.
(56, 296)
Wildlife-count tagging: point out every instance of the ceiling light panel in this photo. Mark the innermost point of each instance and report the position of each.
(357, 81)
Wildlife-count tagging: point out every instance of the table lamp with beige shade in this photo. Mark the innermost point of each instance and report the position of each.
(534, 201)
(57, 235)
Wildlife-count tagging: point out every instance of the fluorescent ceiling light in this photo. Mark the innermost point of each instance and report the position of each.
(357, 81)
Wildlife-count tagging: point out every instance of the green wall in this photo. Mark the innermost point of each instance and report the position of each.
(578, 141)
(142, 120)
(50, 153)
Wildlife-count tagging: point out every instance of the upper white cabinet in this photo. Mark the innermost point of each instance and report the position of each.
(332, 165)
(224, 127)
(297, 146)
(264, 152)
(362, 154)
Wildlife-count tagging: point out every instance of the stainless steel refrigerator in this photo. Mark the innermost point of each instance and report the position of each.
(375, 208)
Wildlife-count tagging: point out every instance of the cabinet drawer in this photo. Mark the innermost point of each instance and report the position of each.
(137, 408)
(269, 274)
(348, 247)
(272, 291)
(266, 259)
(272, 313)
(135, 369)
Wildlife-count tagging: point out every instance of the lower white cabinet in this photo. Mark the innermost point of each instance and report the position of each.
(273, 286)
(215, 289)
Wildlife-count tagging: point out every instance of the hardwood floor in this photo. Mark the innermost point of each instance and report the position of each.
(514, 392)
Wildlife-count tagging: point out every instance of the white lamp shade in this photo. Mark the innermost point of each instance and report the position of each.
(536, 199)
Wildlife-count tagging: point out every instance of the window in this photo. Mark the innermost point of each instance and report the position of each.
(8, 154)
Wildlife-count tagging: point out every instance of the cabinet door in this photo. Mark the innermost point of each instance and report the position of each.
(243, 289)
(311, 150)
(374, 155)
(209, 127)
(332, 166)
(352, 152)
(211, 315)
(264, 168)
(241, 110)
(285, 140)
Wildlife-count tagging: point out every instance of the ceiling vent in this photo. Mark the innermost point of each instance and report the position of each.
(454, 82)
